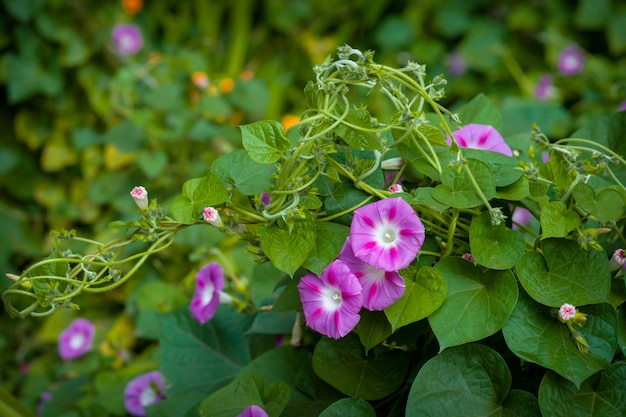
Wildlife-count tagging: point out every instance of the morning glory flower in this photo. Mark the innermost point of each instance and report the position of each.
(544, 89)
(477, 136)
(127, 39)
(253, 411)
(76, 339)
(617, 260)
(380, 288)
(567, 312)
(386, 234)
(142, 391)
(395, 188)
(571, 60)
(208, 294)
(331, 303)
(212, 216)
(140, 195)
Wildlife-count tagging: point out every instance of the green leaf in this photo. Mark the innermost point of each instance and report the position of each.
(535, 334)
(244, 391)
(477, 305)
(196, 357)
(421, 297)
(432, 135)
(616, 33)
(343, 198)
(621, 320)
(372, 329)
(457, 190)
(602, 395)
(209, 192)
(343, 364)
(471, 381)
(481, 110)
(288, 246)
(183, 211)
(557, 220)
(246, 176)
(152, 163)
(265, 141)
(607, 205)
(519, 115)
(565, 273)
(495, 247)
(517, 191)
(349, 407)
(329, 239)
(358, 137)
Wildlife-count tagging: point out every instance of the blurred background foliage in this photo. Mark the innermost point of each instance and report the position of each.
(82, 124)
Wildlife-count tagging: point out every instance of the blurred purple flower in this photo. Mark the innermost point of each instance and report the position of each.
(571, 60)
(43, 398)
(142, 391)
(253, 411)
(456, 64)
(266, 198)
(380, 288)
(622, 106)
(386, 234)
(520, 216)
(331, 303)
(76, 339)
(544, 89)
(127, 39)
(477, 136)
(206, 298)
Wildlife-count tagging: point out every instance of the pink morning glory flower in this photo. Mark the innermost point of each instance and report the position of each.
(76, 339)
(386, 234)
(206, 298)
(127, 39)
(380, 288)
(544, 89)
(253, 411)
(142, 391)
(477, 136)
(567, 312)
(140, 195)
(571, 60)
(520, 216)
(331, 303)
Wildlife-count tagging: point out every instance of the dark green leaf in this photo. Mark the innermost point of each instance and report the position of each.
(456, 188)
(329, 239)
(495, 247)
(349, 407)
(372, 329)
(247, 176)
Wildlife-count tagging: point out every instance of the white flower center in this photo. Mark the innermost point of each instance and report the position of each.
(126, 43)
(207, 294)
(332, 299)
(571, 62)
(147, 397)
(77, 341)
(387, 234)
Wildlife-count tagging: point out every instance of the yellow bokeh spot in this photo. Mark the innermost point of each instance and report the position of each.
(289, 120)
(114, 158)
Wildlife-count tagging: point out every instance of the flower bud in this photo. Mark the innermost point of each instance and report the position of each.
(392, 164)
(140, 195)
(296, 332)
(395, 188)
(617, 260)
(567, 312)
(212, 216)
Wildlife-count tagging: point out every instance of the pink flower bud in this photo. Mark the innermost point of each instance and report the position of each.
(140, 195)
(617, 260)
(212, 216)
(395, 188)
(468, 257)
(567, 312)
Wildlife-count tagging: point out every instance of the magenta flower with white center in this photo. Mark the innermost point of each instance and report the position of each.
(211, 215)
(206, 298)
(142, 391)
(140, 195)
(76, 339)
(127, 39)
(477, 136)
(567, 312)
(253, 411)
(331, 302)
(386, 234)
(571, 60)
(380, 288)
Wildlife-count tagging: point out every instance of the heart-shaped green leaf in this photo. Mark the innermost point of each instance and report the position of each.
(349, 407)
(557, 220)
(329, 239)
(605, 206)
(288, 246)
(565, 273)
(534, 333)
(265, 140)
(477, 304)
(602, 395)
(495, 247)
(421, 297)
(246, 175)
(470, 380)
(457, 188)
(373, 328)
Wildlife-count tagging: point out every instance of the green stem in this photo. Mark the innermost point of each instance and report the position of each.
(238, 47)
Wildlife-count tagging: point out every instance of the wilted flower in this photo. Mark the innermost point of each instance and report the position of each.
(211, 215)
(571, 60)
(208, 294)
(142, 391)
(380, 288)
(567, 312)
(127, 39)
(140, 195)
(386, 234)
(76, 339)
(395, 188)
(477, 136)
(253, 411)
(331, 303)
(544, 88)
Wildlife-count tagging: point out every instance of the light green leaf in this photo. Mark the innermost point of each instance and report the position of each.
(265, 141)
(534, 333)
(247, 176)
(457, 190)
(557, 220)
(495, 247)
(481, 110)
(477, 305)
(183, 211)
(209, 192)
(288, 246)
(606, 205)
(358, 137)
(565, 273)
(329, 239)
(471, 381)
(421, 297)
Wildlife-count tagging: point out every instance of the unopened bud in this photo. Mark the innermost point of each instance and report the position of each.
(212, 216)
(395, 188)
(392, 164)
(296, 332)
(12, 277)
(140, 195)
(617, 260)
(567, 312)
(581, 343)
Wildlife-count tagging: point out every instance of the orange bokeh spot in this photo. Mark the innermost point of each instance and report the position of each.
(200, 79)
(246, 75)
(227, 85)
(132, 6)
(289, 120)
